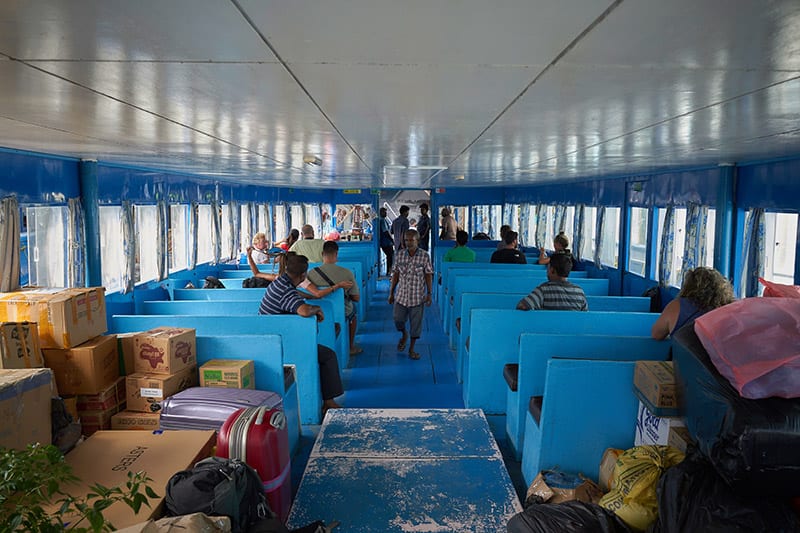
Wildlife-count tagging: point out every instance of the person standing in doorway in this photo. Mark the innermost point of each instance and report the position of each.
(449, 226)
(424, 227)
(386, 241)
(399, 228)
(410, 291)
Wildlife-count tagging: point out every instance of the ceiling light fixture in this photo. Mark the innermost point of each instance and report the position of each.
(312, 160)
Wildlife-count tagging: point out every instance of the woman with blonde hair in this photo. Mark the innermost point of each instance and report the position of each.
(703, 289)
(260, 248)
(560, 245)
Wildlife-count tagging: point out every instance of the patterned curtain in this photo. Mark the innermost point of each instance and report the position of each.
(524, 237)
(235, 228)
(9, 244)
(508, 216)
(665, 247)
(128, 278)
(754, 252)
(194, 209)
(76, 255)
(560, 223)
(216, 231)
(541, 226)
(251, 223)
(162, 255)
(600, 224)
(694, 251)
(577, 231)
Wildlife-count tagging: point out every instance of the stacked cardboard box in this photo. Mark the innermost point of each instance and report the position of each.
(65, 317)
(165, 360)
(19, 345)
(654, 385)
(25, 407)
(96, 410)
(228, 373)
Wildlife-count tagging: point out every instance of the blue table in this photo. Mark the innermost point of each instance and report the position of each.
(406, 470)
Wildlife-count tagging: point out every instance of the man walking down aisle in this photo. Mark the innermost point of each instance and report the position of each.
(412, 280)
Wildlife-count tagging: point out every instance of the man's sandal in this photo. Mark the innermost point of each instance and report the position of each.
(413, 355)
(401, 345)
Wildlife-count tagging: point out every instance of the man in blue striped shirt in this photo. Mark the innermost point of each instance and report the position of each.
(282, 298)
(556, 293)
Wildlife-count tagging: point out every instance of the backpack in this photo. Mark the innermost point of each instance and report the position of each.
(254, 282)
(213, 283)
(655, 298)
(219, 487)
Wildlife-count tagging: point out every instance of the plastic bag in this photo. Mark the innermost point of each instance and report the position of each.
(693, 497)
(755, 344)
(779, 290)
(633, 485)
(568, 517)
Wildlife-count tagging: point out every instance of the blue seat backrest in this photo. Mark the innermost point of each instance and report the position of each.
(580, 419)
(299, 343)
(494, 341)
(477, 300)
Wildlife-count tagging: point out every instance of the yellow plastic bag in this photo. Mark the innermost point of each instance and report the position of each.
(633, 483)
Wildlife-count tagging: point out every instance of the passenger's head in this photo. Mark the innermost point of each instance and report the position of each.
(404, 210)
(296, 265)
(560, 242)
(510, 238)
(411, 239)
(707, 288)
(445, 212)
(294, 236)
(308, 231)
(560, 265)
(383, 212)
(462, 237)
(259, 240)
(503, 230)
(330, 250)
(423, 208)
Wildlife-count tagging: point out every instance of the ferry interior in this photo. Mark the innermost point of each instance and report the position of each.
(143, 145)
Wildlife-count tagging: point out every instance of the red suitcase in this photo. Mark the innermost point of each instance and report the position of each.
(258, 436)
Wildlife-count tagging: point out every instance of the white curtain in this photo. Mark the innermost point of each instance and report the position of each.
(76, 250)
(9, 244)
(161, 239)
(666, 246)
(194, 210)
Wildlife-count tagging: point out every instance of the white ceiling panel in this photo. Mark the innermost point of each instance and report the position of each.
(402, 94)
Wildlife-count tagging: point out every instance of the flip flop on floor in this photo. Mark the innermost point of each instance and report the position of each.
(355, 350)
(401, 345)
(413, 355)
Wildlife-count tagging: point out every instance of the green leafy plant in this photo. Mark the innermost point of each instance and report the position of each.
(31, 498)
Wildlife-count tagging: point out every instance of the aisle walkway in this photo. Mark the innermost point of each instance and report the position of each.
(382, 377)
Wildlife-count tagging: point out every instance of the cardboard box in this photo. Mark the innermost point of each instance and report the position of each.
(25, 407)
(93, 421)
(654, 384)
(19, 345)
(65, 317)
(135, 420)
(86, 369)
(107, 457)
(228, 373)
(107, 398)
(125, 349)
(652, 429)
(145, 392)
(164, 350)
(679, 438)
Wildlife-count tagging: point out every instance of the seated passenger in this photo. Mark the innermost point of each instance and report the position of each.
(282, 298)
(269, 276)
(260, 248)
(703, 289)
(460, 253)
(335, 276)
(285, 244)
(509, 252)
(560, 244)
(556, 293)
(309, 246)
(505, 228)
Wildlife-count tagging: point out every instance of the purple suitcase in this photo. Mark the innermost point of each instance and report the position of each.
(209, 407)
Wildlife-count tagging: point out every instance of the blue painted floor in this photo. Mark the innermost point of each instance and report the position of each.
(382, 377)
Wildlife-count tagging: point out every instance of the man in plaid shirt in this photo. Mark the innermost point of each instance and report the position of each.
(410, 291)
